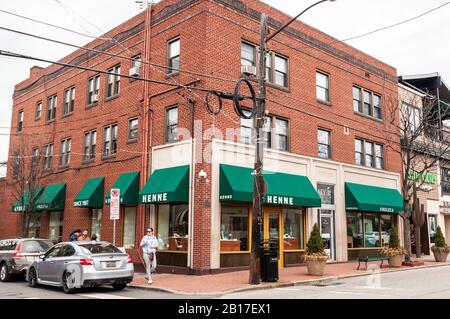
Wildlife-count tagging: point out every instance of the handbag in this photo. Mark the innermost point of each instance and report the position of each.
(151, 256)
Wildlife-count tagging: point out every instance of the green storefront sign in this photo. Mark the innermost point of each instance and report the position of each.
(425, 177)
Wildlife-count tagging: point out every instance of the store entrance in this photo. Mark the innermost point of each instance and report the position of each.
(326, 219)
(273, 228)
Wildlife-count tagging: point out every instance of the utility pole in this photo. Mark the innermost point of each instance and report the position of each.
(258, 123)
(258, 185)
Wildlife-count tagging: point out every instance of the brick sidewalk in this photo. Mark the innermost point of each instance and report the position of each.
(238, 280)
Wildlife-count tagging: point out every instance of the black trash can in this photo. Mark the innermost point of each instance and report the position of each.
(269, 256)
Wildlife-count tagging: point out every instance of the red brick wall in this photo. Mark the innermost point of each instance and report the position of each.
(210, 33)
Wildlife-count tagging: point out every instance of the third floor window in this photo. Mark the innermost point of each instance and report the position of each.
(38, 113)
(173, 56)
(48, 156)
(69, 101)
(113, 87)
(51, 108)
(20, 122)
(323, 86)
(366, 102)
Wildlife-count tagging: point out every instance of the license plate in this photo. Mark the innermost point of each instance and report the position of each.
(110, 264)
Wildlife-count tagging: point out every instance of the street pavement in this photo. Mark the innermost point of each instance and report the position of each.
(424, 283)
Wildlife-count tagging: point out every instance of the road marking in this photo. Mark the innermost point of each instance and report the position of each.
(32, 298)
(103, 296)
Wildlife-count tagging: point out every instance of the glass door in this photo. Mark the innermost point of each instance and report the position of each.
(273, 228)
(326, 221)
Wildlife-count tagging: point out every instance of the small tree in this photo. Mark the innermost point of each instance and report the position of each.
(394, 241)
(394, 248)
(315, 243)
(439, 239)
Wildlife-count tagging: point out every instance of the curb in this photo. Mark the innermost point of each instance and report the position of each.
(281, 285)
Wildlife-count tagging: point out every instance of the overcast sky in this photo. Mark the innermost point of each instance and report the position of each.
(419, 46)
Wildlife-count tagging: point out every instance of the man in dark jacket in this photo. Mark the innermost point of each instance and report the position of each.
(74, 235)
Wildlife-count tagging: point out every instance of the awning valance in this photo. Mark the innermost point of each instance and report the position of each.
(53, 197)
(21, 204)
(236, 185)
(168, 185)
(91, 195)
(372, 199)
(129, 189)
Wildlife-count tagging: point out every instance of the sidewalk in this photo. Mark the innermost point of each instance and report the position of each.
(238, 280)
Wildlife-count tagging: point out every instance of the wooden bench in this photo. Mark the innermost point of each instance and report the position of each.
(367, 259)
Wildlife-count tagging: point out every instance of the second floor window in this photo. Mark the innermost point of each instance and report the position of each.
(48, 156)
(410, 117)
(133, 125)
(322, 86)
(34, 156)
(20, 122)
(113, 87)
(93, 89)
(38, 113)
(324, 143)
(69, 100)
(16, 165)
(275, 132)
(110, 140)
(173, 56)
(172, 124)
(369, 154)
(90, 141)
(64, 158)
(51, 108)
(136, 66)
(366, 102)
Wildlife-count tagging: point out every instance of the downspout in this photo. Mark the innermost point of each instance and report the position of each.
(192, 187)
(146, 140)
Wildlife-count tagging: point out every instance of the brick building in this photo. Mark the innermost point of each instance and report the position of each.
(186, 171)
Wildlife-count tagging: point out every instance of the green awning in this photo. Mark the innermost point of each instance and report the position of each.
(236, 185)
(21, 204)
(53, 197)
(167, 185)
(372, 199)
(129, 189)
(91, 195)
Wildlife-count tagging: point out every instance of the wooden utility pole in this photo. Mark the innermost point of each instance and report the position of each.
(258, 185)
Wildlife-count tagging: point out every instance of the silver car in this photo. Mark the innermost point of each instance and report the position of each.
(76, 264)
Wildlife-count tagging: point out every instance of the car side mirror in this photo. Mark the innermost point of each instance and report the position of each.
(42, 256)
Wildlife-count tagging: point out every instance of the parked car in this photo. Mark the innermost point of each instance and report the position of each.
(373, 239)
(18, 253)
(77, 264)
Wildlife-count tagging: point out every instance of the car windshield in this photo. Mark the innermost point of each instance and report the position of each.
(36, 246)
(98, 248)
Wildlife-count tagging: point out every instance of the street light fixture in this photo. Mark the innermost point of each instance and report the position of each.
(258, 120)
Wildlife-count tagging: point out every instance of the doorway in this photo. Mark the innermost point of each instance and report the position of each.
(326, 225)
(273, 229)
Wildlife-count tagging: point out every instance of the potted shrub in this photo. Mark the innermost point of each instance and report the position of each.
(316, 256)
(440, 249)
(395, 252)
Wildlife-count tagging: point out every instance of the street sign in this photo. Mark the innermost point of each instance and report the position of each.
(114, 205)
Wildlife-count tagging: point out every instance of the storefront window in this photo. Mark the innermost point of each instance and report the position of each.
(234, 230)
(367, 234)
(293, 229)
(129, 227)
(386, 228)
(55, 226)
(172, 231)
(371, 230)
(96, 222)
(34, 225)
(354, 230)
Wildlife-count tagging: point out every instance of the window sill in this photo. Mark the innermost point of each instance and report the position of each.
(364, 166)
(108, 157)
(64, 167)
(49, 122)
(37, 118)
(90, 106)
(133, 141)
(368, 117)
(172, 74)
(327, 103)
(89, 161)
(67, 115)
(268, 84)
(112, 97)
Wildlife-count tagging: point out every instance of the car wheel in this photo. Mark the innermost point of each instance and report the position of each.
(119, 286)
(4, 275)
(32, 278)
(65, 287)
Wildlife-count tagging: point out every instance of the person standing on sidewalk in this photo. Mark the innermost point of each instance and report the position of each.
(149, 243)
